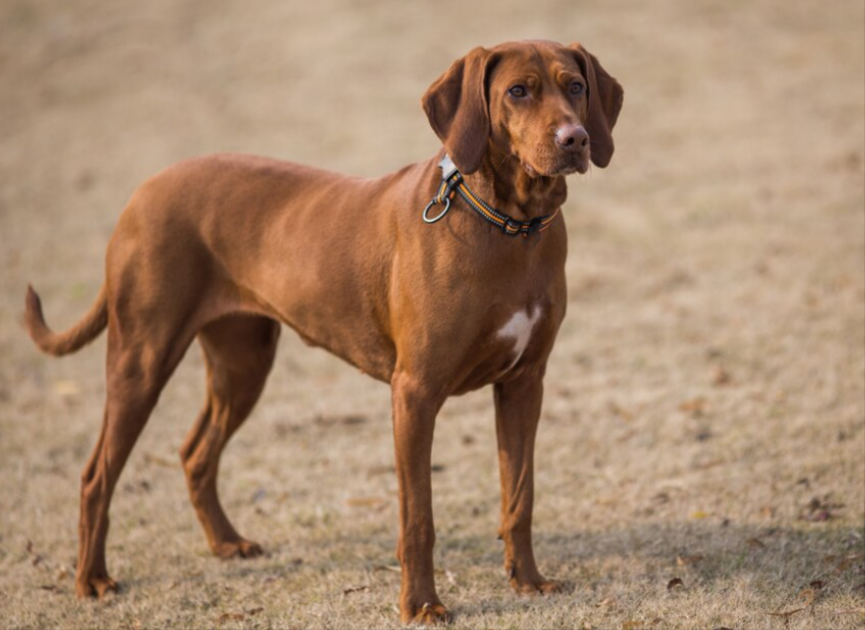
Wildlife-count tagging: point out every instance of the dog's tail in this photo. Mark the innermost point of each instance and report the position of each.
(82, 333)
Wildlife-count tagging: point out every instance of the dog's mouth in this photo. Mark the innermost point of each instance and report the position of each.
(561, 168)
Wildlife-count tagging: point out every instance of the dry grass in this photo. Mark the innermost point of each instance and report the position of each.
(708, 383)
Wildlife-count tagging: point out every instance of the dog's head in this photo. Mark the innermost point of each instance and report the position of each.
(551, 106)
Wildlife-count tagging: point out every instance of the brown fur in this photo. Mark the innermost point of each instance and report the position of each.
(225, 248)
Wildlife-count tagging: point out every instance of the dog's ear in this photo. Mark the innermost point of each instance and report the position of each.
(605, 103)
(456, 106)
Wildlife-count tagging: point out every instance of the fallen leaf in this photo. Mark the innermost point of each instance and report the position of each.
(786, 614)
(630, 625)
(354, 589)
(387, 567)
(721, 377)
(809, 595)
(816, 584)
(755, 543)
(705, 435)
(819, 509)
(675, 583)
(254, 611)
(700, 514)
(368, 502)
(695, 406)
(380, 470)
(67, 388)
(686, 560)
(712, 463)
(283, 429)
(35, 558)
(848, 561)
(617, 410)
(158, 460)
(627, 435)
(230, 617)
(347, 419)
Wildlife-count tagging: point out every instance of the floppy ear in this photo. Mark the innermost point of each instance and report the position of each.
(456, 106)
(605, 103)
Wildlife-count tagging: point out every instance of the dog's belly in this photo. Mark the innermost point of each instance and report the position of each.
(370, 353)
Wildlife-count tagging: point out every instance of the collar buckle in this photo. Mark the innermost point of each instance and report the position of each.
(448, 167)
(511, 227)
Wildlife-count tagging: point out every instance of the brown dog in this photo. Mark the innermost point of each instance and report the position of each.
(225, 248)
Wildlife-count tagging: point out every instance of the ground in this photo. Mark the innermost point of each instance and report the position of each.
(701, 459)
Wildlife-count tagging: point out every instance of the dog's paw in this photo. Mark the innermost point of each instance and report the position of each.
(536, 587)
(426, 615)
(527, 581)
(238, 549)
(97, 587)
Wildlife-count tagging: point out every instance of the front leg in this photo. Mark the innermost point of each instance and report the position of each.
(518, 409)
(414, 414)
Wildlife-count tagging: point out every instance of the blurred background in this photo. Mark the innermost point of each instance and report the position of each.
(705, 408)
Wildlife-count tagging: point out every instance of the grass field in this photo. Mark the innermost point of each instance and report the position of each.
(701, 459)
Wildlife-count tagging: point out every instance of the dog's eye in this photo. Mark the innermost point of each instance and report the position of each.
(577, 88)
(518, 91)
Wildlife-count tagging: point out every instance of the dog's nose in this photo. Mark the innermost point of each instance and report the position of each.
(572, 137)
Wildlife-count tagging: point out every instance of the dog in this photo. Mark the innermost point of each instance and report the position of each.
(441, 278)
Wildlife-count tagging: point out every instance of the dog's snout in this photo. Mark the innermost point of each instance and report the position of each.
(572, 137)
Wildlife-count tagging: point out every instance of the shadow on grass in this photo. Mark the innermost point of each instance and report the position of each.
(774, 556)
(633, 564)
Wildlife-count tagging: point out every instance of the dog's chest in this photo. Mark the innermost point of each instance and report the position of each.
(516, 333)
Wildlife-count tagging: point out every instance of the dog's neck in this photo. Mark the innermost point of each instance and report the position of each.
(505, 184)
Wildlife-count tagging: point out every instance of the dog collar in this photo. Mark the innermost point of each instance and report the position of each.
(453, 183)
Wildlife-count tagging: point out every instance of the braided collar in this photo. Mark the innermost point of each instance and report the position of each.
(453, 183)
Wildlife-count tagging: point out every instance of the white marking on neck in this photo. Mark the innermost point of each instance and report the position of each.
(519, 328)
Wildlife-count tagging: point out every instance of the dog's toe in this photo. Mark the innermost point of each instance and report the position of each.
(95, 587)
(238, 549)
(537, 587)
(430, 615)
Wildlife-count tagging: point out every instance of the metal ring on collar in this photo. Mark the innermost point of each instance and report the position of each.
(441, 215)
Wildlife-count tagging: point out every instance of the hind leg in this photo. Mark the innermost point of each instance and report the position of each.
(136, 375)
(239, 353)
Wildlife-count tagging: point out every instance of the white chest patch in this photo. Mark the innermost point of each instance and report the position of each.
(519, 328)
